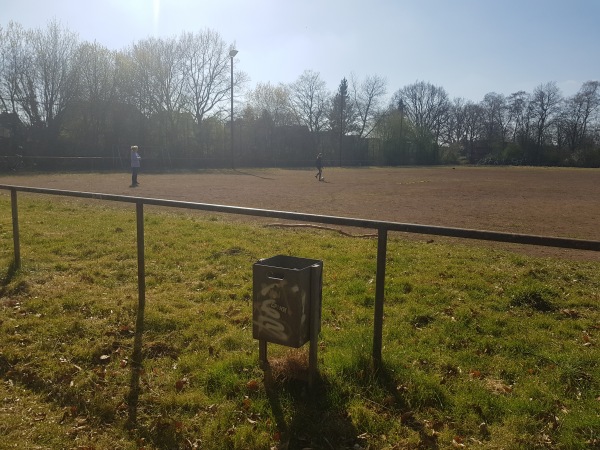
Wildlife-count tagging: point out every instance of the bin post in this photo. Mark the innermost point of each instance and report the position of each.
(262, 354)
(315, 323)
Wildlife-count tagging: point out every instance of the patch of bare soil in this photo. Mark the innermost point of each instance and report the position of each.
(559, 202)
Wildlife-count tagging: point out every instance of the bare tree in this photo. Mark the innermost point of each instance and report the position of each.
(166, 70)
(309, 98)
(368, 97)
(52, 85)
(496, 118)
(580, 112)
(473, 129)
(135, 66)
(545, 107)
(426, 107)
(207, 73)
(518, 111)
(273, 101)
(96, 94)
(161, 65)
(455, 126)
(152, 79)
(12, 62)
(395, 134)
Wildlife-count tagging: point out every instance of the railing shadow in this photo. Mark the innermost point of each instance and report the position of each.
(397, 393)
(134, 383)
(8, 276)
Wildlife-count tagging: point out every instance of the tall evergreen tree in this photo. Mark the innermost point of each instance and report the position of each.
(341, 116)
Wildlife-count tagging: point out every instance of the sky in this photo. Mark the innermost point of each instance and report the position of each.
(468, 47)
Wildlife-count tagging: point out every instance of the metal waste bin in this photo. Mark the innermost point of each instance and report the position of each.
(286, 291)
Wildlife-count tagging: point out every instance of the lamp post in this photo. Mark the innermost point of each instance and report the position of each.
(401, 108)
(232, 53)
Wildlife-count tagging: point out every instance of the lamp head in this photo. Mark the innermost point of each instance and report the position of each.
(233, 52)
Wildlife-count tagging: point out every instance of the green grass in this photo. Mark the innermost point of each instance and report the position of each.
(482, 348)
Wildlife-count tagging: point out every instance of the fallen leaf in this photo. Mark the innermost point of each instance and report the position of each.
(126, 330)
(483, 428)
(572, 313)
(180, 384)
(498, 386)
(457, 442)
(252, 385)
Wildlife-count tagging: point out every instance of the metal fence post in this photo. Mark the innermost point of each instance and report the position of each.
(15, 224)
(141, 259)
(379, 296)
(136, 365)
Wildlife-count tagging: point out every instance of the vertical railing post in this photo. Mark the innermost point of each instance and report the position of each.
(15, 224)
(379, 296)
(141, 262)
(139, 323)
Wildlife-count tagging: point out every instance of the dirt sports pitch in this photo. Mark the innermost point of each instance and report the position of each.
(558, 202)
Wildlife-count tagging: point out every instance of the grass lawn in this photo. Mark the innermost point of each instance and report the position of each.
(483, 348)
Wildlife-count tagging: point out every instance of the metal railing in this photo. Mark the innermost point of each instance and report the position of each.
(382, 227)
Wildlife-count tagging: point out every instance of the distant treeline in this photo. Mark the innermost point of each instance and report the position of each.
(72, 105)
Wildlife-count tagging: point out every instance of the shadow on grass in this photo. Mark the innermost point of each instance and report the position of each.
(134, 383)
(397, 389)
(8, 276)
(317, 420)
(399, 394)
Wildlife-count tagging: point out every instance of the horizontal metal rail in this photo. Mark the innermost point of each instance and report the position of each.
(465, 233)
(383, 227)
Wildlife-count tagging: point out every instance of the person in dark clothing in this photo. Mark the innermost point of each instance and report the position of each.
(135, 165)
(319, 165)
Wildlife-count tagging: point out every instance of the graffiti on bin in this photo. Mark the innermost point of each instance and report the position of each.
(273, 311)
